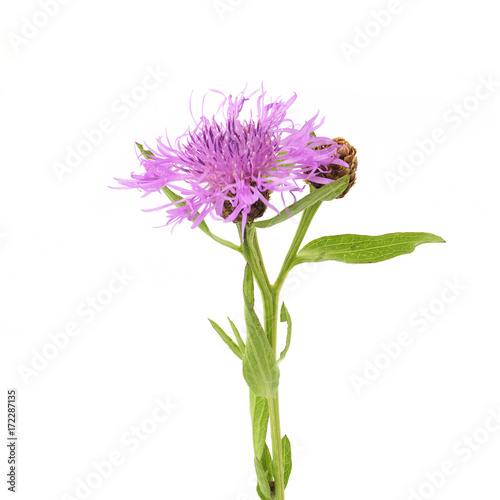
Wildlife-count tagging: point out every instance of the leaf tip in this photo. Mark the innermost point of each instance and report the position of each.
(436, 239)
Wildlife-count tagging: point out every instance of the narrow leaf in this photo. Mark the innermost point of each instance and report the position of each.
(267, 463)
(285, 316)
(261, 495)
(262, 483)
(260, 368)
(144, 152)
(170, 194)
(325, 193)
(241, 344)
(259, 411)
(203, 226)
(287, 458)
(173, 197)
(227, 339)
(248, 285)
(360, 249)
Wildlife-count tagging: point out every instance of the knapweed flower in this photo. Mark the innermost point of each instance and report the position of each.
(231, 167)
(228, 166)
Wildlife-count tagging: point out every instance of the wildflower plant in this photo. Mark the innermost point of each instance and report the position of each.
(233, 169)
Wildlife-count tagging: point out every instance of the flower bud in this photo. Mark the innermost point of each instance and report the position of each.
(347, 153)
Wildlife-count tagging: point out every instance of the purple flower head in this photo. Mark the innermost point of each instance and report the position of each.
(228, 164)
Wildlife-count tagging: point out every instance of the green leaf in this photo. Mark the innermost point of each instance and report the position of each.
(261, 495)
(145, 152)
(260, 368)
(325, 193)
(267, 463)
(262, 484)
(285, 316)
(360, 249)
(259, 411)
(287, 458)
(227, 339)
(173, 197)
(241, 344)
(248, 285)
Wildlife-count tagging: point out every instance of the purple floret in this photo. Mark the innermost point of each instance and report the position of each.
(230, 159)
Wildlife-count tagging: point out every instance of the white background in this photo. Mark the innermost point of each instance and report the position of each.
(62, 237)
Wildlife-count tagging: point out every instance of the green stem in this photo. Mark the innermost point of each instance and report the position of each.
(203, 226)
(251, 251)
(270, 298)
(271, 325)
(278, 471)
(305, 222)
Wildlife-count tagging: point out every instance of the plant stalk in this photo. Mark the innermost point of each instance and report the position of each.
(305, 222)
(270, 298)
(271, 327)
(278, 471)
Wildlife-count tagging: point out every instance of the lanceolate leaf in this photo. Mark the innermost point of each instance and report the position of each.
(325, 193)
(262, 496)
(259, 411)
(285, 316)
(227, 339)
(263, 486)
(260, 368)
(267, 463)
(360, 249)
(241, 344)
(145, 152)
(173, 197)
(287, 458)
(203, 226)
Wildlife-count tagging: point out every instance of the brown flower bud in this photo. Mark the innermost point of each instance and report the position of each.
(347, 153)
